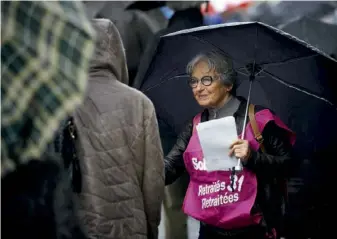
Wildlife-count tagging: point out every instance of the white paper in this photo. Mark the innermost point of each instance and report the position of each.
(215, 137)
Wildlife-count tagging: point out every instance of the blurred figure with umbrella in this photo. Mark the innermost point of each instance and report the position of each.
(282, 73)
(324, 37)
(275, 13)
(137, 22)
(318, 34)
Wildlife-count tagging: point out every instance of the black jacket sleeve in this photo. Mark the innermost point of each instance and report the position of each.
(277, 158)
(174, 162)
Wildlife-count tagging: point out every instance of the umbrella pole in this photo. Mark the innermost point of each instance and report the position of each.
(239, 166)
(247, 107)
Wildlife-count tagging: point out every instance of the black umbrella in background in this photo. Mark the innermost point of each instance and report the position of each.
(275, 13)
(146, 5)
(318, 34)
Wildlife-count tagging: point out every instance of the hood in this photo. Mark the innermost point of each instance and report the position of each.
(109, 56)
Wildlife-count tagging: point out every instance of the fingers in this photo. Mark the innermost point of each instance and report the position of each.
(235, 145)
(239, 148)
(231, 152)
(235, 149)
(236, 142)
(239, 154)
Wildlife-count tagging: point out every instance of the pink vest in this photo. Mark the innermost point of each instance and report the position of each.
(209, 197)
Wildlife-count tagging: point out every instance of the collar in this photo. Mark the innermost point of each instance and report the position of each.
(239, 113)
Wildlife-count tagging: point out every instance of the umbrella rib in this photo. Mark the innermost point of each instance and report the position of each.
(288, 60)
(298, 89)
(251, 78)
(163, 77)
(163, 81)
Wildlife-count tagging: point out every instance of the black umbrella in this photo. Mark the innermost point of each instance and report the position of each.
(316, 33)
(175, 5)
(274, 13)
(146, 5)
(292, 78)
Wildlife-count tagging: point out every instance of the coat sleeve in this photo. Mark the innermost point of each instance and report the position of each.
(278, 155)
(153, 178)
(174, 162)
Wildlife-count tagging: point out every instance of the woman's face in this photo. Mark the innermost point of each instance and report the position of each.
(213, 95)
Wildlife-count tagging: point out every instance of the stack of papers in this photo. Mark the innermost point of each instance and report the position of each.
(215, 137)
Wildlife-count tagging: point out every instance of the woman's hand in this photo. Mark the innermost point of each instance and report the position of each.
(240, 148)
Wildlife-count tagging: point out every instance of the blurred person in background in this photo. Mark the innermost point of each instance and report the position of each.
(137, 29)
(175, 220)
(180, 20)
(136, 21)
(119, 148)
(43, 79)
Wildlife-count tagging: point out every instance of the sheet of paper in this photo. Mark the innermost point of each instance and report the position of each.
(215, 137)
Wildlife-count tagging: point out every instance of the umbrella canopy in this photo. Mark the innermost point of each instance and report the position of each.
(319, 34)
(292, 78)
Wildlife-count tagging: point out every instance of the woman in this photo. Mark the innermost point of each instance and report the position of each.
(254, 208)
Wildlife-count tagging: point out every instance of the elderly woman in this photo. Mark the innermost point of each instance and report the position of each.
(248, 204)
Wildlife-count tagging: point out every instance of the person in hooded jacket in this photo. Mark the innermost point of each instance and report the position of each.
(119, 148)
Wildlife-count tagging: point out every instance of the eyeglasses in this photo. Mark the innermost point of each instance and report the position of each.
(206, 81)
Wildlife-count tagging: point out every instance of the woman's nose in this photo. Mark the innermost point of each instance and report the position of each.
(199, 86)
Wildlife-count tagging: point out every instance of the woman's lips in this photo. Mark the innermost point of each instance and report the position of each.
(203, 97)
